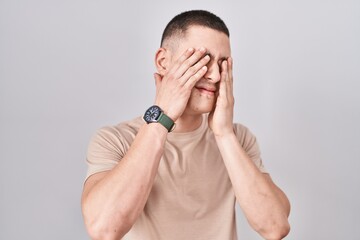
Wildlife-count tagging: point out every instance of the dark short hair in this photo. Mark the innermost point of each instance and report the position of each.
(181, 22)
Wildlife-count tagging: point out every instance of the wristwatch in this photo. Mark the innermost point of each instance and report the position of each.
(155, 115)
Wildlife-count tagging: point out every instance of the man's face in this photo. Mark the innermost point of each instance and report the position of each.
(217, 44)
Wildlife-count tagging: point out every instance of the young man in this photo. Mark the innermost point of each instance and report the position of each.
(178, 174)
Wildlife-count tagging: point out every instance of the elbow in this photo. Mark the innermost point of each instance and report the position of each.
(105, 228)
(100, 231)
(280, 233)
(275, 230)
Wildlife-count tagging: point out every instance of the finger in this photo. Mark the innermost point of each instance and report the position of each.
(230, 81)
(189, 62)
(190, 83)
(182, 59)
(223, 77)
(194, 69)
(157, 78)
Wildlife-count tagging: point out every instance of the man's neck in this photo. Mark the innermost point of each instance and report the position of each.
(188, 123)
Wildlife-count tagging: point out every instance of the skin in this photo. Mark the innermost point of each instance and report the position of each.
(188, 84)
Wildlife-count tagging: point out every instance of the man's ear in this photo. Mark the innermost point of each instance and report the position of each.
(162, 60)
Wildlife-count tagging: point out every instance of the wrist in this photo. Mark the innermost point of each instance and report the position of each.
(166, 111)
(155, 114)
(225, 134)
(156, 128)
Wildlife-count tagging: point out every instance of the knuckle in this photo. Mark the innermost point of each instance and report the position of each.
(181, 59)
(184, 91)
(199, 53)
(193, 70)
(197, 74)
(192, 81)
(169, 77)
(187, 63)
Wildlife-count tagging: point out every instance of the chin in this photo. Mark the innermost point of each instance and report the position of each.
(200, 102)
(200, 106)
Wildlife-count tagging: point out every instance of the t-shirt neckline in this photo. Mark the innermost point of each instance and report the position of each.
(189, 135)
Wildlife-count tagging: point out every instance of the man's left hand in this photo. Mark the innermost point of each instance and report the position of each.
(221, 117)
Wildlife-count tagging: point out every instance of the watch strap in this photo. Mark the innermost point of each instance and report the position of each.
(167, 122)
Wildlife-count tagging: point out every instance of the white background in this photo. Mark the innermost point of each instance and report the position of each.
(68, 68)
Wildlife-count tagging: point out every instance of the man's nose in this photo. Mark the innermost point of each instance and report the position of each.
(213, 72)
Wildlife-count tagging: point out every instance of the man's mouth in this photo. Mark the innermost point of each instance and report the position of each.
(209, 91)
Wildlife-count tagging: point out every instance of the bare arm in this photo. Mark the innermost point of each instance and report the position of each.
(113, 200)
(265, 206)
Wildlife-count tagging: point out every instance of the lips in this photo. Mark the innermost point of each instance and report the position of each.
(206, 90)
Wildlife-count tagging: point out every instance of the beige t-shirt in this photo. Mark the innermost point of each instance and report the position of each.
(192, 196)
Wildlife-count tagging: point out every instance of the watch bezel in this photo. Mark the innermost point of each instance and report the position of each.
(148, 112)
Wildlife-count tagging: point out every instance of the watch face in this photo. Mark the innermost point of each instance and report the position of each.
(152, 114)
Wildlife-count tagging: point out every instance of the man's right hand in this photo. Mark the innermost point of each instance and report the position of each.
(174, 88)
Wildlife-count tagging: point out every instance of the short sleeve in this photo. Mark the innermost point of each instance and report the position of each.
(105, 151)
(249, 143)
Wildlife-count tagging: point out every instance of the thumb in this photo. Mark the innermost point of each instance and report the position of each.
(158, 79)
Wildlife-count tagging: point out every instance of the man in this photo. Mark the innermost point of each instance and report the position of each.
(149, 180)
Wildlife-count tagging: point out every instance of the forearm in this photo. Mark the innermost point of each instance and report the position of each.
(113, 203)
(265, 205)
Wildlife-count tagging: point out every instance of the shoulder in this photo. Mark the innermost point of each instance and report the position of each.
(128, 128)
(243, 133)
(122, 129)
(242, 130)
(248, 141)
(109, 145)
(119, 133)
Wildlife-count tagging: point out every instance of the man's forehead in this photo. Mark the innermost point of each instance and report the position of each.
(217, 43)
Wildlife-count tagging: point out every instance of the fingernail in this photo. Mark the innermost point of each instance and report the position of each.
(190, 49)
(202, 49)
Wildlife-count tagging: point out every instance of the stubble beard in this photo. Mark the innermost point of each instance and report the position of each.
(199, 103)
